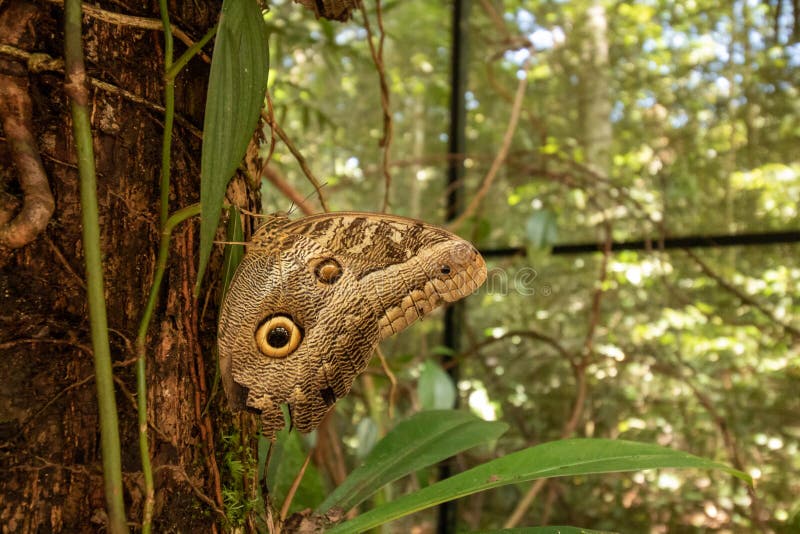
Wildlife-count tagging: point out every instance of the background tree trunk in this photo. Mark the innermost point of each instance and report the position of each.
(594, 93)
(51, 479)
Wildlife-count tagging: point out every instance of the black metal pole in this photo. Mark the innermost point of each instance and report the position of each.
(453, 315)
(668, 243)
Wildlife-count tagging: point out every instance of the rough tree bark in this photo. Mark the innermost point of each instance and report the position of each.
(51, 479)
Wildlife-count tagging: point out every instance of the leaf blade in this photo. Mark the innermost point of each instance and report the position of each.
(233, 251)
(435, 387)
(238, 78)
(544, 530)
(421, 440)
(557, 458)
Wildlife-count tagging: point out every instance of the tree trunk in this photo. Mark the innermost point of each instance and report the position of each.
(594, 105)
(51, 477)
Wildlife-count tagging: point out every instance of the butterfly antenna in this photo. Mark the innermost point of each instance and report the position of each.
(254, 214)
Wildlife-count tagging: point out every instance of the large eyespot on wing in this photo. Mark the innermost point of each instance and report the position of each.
(278, 336)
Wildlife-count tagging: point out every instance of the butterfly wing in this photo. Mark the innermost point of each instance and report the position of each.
(346, 280)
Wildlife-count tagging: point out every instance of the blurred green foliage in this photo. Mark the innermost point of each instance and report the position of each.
(705, 118)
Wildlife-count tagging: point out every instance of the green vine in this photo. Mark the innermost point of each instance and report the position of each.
(77, 89)
(167, 225)
(141, 361)
(169, 114)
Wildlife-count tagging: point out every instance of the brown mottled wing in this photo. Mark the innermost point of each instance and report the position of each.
(393, 271)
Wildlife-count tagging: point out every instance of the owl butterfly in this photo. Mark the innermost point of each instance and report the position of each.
(312, 298)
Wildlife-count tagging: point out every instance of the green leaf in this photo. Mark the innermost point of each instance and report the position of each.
(236, 87)
(233, 252)
(542, 229)
(435, 388)
(288, 454)
(556, 458)
(543, 530)
(441, 350)
(482, 230)
(367, 434)
(421, 440)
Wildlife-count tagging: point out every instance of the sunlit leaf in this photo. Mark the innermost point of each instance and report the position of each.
(557, 458)
(541, 229)
(421, 440)
(435, 388)
(366, 435)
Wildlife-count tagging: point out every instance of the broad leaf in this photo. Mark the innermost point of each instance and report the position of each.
(541, 229)
(435, 388)
(367, 434)
(288, 454)
(556, 458)
(421, 440)
(236, 86)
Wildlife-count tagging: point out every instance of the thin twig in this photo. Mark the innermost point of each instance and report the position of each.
(274, 177)
(392, 380)
(60, 257)
(297, 156)
(197, 371)
(581, 385)
(494, 16)
(196, 489)
(533, 334)
(731, 446)
(293, 489)
(746, 299)
(477, 198)
(377, 58)
(39, 62)
(132, 21)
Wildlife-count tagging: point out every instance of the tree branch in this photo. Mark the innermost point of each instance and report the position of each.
(498, 160)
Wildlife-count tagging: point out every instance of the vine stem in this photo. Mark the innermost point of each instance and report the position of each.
(169, 113)
(167, 224)
(194, 50)
(77, 89)
(141, 360)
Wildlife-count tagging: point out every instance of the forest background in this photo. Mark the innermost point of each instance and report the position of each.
(587, 122)
(637, 121)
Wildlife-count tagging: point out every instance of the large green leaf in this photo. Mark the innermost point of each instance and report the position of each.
(556, 458)
(236, 88)
(421, 440)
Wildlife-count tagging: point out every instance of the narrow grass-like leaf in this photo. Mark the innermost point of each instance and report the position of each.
(544, 530)
(557, 458)
(236, 86)
(421, 440)
(233, 252)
